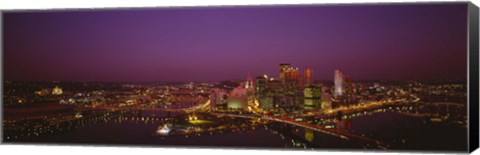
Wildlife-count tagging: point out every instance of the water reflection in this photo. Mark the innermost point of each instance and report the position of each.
(309, 136)
(394, 126)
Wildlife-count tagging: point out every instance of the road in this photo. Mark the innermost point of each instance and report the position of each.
(333, 132)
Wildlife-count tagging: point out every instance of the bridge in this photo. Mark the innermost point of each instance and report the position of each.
(333, 132)
(258, 114)
(261, 115)
(197, 108)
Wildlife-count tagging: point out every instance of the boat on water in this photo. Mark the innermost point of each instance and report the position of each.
(164, 130)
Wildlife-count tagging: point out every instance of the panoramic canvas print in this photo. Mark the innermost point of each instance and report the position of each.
(354, 77)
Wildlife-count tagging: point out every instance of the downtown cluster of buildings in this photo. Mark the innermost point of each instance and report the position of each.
(291, 91)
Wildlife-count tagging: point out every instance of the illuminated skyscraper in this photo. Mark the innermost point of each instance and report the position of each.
(326, 101)
(294, 74)
(339, 81)
(291, 74)
(274, 94)
(261, 85)
(217, 97)
(283, 70)
(312, 98)
(301, 83)
(250, 87)
(249, 83)
(308, 76)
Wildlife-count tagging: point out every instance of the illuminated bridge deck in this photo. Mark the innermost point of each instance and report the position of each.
(337, 133)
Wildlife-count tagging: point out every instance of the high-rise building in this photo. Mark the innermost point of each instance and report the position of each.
(301, 83)
(261, 85)
(291, 77)
(326, 101)
(273, 95)
(250, 86)
(308, 76)
(218, 97)
(295, 74)
(249, 83)
(339, 81)
(291, 74)
(312, 98)
(283, 69)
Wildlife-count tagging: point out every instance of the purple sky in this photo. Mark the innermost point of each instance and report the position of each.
(419, 41)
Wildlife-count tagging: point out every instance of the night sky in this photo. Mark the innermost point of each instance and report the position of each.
(366, 42)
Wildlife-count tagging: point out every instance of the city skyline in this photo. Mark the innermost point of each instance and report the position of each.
(358, 77)
(387, 42)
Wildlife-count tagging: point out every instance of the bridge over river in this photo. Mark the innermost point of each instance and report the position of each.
(333, 132)
(286, 120)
